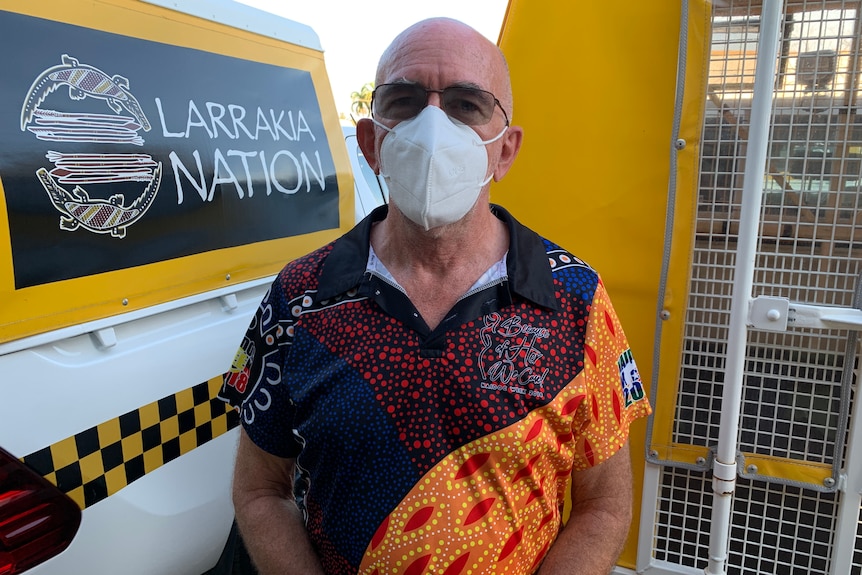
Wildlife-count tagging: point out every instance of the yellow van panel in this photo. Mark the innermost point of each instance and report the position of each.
(211, 94)
(594, 88)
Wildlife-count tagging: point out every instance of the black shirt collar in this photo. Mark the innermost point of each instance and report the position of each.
(526, 263)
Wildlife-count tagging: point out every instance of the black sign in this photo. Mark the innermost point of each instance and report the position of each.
(117, 152)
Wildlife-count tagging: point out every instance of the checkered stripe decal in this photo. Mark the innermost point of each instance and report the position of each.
(99, 461)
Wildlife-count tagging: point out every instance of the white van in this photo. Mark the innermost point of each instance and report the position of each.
(160, 161)
(370, 189)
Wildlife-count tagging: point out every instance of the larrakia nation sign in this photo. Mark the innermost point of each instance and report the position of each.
(117, 152)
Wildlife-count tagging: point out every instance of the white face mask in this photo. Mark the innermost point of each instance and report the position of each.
(434, 167)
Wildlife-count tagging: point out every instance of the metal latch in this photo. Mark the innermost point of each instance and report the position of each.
(777, 314)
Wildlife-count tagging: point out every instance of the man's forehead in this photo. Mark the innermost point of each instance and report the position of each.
(439, 68)
(441, 39)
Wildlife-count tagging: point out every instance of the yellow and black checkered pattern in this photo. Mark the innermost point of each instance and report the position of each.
(101, 460)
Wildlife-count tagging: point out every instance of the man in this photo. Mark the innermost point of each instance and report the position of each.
(424, 392)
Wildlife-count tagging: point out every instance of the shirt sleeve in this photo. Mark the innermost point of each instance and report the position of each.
(253, 385)
(615, 393)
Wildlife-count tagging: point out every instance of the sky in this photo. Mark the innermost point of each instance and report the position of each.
(354, 34)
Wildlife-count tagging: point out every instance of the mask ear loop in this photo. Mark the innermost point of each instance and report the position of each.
(380, 173)
(495, 138)
(491, 141)
(376, 123)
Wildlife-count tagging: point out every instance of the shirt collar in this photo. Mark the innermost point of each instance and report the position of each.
(527, 262)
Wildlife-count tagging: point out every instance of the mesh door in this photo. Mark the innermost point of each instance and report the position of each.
(809, 251)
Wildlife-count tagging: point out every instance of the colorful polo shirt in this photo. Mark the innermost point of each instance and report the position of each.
(436, 451)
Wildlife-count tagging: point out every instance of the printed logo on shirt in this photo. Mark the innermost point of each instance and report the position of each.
(633, 389)
(510, 359)
(237, 376)
(259, 398)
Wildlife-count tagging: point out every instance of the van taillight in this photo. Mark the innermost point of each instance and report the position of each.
(37, 520)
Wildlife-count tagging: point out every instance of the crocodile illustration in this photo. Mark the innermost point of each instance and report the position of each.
(109, 216)
(84, 82)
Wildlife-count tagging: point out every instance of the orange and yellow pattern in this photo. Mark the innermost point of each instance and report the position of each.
(495, 505)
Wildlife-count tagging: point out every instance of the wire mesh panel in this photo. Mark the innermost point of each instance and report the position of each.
(781, 529)
(682, 524)
(809, 251)
(791, 400)
(810, 233)
(857, 552)
(775, 529)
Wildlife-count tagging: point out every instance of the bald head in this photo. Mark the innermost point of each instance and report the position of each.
(446, 45)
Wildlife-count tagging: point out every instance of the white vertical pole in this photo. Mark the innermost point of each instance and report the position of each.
(649, 511)
(724, 470)
(850, 500)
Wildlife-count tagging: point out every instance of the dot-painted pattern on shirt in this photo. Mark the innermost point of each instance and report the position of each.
(508, 483)
(380, 433)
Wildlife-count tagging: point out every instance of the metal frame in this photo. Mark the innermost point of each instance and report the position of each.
(772, 314)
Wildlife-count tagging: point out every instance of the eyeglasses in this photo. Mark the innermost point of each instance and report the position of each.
(402, 101)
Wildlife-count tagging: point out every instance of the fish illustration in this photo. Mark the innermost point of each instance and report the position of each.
(84, 82)
(99, 216)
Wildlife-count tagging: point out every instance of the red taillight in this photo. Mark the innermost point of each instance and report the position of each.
(37, 520)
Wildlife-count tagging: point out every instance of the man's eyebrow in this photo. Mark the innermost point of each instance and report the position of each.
(467, 85)
(464, 84)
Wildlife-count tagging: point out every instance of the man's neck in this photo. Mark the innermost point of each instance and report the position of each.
(436, 268)
(478, 237)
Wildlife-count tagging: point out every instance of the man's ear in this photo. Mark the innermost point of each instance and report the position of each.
(365, 137)
(511, 145)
